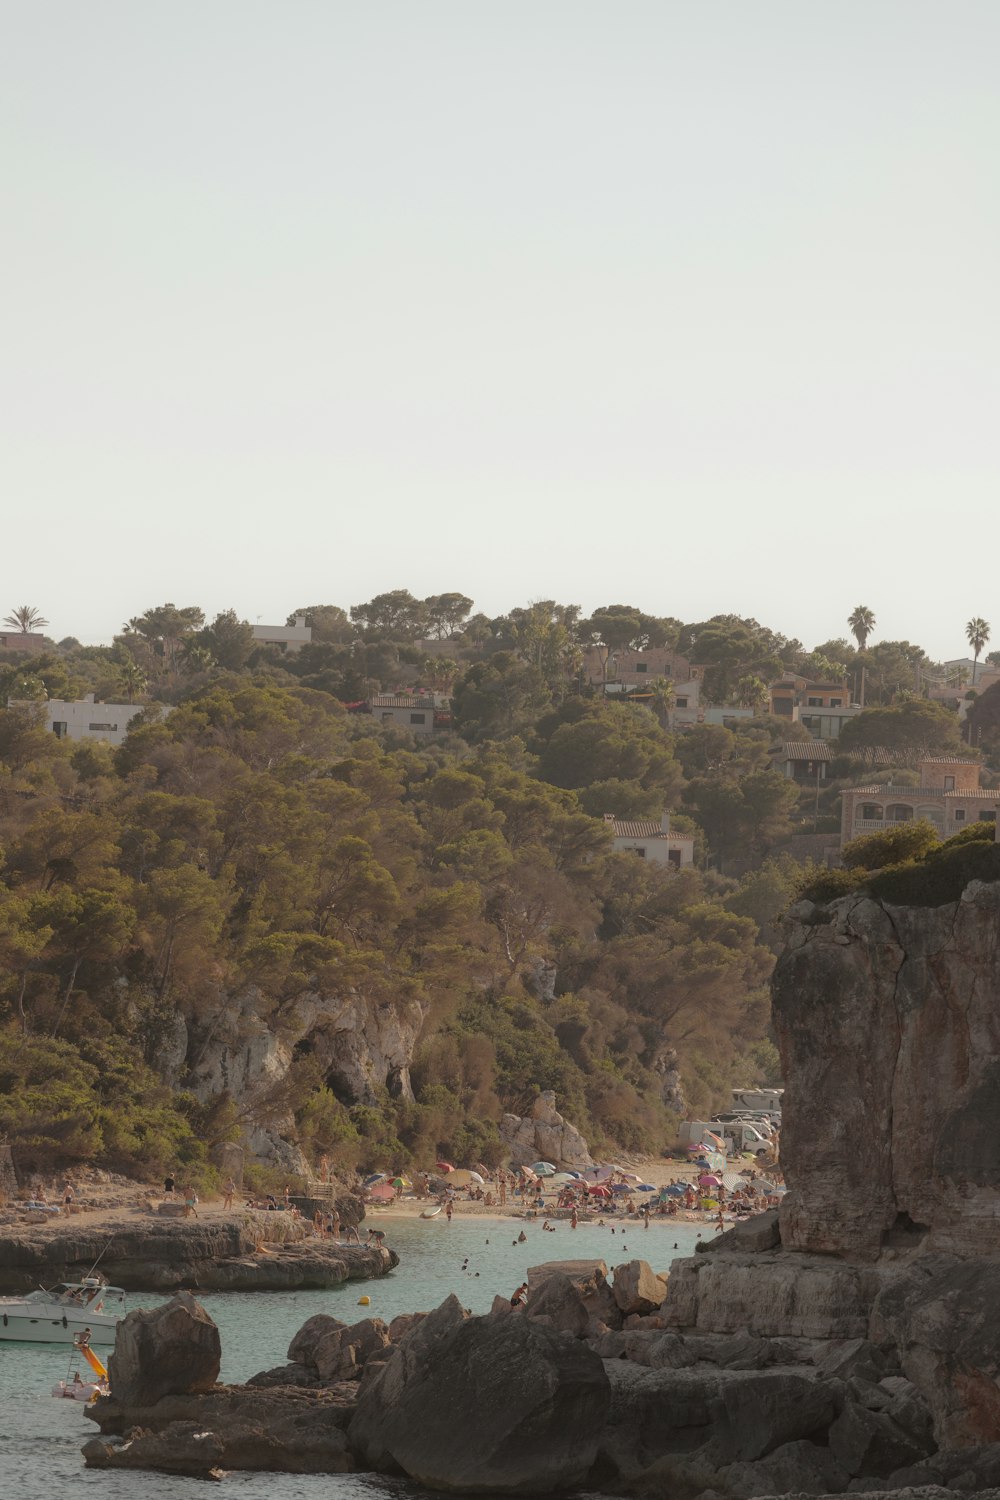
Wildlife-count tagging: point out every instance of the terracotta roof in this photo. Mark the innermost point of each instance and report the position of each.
(888, 790)
(806, 750)
(645, 828)
(949, 760)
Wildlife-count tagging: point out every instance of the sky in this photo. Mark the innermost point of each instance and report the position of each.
(688, 306)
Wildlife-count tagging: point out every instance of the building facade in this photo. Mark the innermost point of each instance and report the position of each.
(85, 719)
(288, 638)
(949, 796)
(650, 840)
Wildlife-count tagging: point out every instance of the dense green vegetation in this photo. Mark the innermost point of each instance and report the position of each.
(259, 847)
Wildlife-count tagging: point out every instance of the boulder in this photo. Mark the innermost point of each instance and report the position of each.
(871, 1443)
(341, 1354)
(402, 1324)
(292, 1374)
(163, 1351)
(494, 1405)
(302, 1349)
(800, 1467)
(637, 1288)
(543, 1134)
(560, 1302)
(749, 1236)
(419, 1349)
(581, 1272)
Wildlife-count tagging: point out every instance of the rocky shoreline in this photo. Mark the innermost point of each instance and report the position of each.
(238, 1252)
(851, 1345)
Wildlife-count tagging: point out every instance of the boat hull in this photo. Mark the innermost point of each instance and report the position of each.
(46, 1326)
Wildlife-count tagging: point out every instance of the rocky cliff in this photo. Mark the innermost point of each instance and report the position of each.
(888, 1021)
(360, 1048)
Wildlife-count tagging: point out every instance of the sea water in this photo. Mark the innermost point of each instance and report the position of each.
(41, 1437)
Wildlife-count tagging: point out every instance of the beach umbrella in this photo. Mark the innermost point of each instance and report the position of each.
(374, 1177)
(382, 1192)
(675, 1189)
(529, 1173)
(620, 1187)
(709, 1138)
(645, 1187)
(568, 1173)
(543, 1168)
(444, 1166)
(631, 1176)
(596, 1190)
(597, 1174)
(476, 1178)
(765, 1187)
(561, 1178)
(708, 1179)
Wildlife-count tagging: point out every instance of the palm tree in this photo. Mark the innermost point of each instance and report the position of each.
(25, 618)
(862, 623)
(662, 701)
(131, 676)
(977, 633)
(752, 692)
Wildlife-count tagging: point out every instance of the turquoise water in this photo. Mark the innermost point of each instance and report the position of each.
(40, 1438)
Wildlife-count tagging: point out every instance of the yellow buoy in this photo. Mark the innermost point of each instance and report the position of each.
(364, 1301)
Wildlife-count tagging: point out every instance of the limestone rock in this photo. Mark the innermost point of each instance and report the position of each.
(724, 1416)
(163, 1351)
(560, 1302)
(771, 1294)
(303, 1345)
(759, 1232)
(800, 1466)
(495, 1405)
(419, 1349)
(543, 1135)
(637, 1288)
(897, 1141)
(871, 1443)
(341, 1353)
(943, 1316)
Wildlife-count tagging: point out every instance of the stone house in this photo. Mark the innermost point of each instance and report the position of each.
(949, 796)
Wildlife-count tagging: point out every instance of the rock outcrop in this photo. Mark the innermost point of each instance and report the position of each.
(246, 1251)
(169, 1350)
(543, 1135)
(494, 1405)
(889, 1029)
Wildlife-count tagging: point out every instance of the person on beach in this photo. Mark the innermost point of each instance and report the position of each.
(378, 1235)
(522, 1238)
(168, 1185)
(229, 1190)
(349, 1231)
(520, 1296)
(324, 1169)
(190, 1203)
(68, 1194)
(573, 1219)
(448, 1210)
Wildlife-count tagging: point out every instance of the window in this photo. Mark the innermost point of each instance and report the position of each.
(959, 814)
(783, 706)
(836, 702)
(639, 850)
(60, 729)
(641, 666)
(899, 812)
(871, 812)
(387, 718)
(418, 718)
(949, 783)
(682, 703)
(814, 703)
(987, 817)
(674, 858)
(97, 728)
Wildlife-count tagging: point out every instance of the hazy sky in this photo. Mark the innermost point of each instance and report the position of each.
(691, 304)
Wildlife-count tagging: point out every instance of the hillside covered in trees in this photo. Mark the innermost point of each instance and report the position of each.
(264, 917)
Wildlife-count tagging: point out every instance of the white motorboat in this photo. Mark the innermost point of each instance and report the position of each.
(64, 1313)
